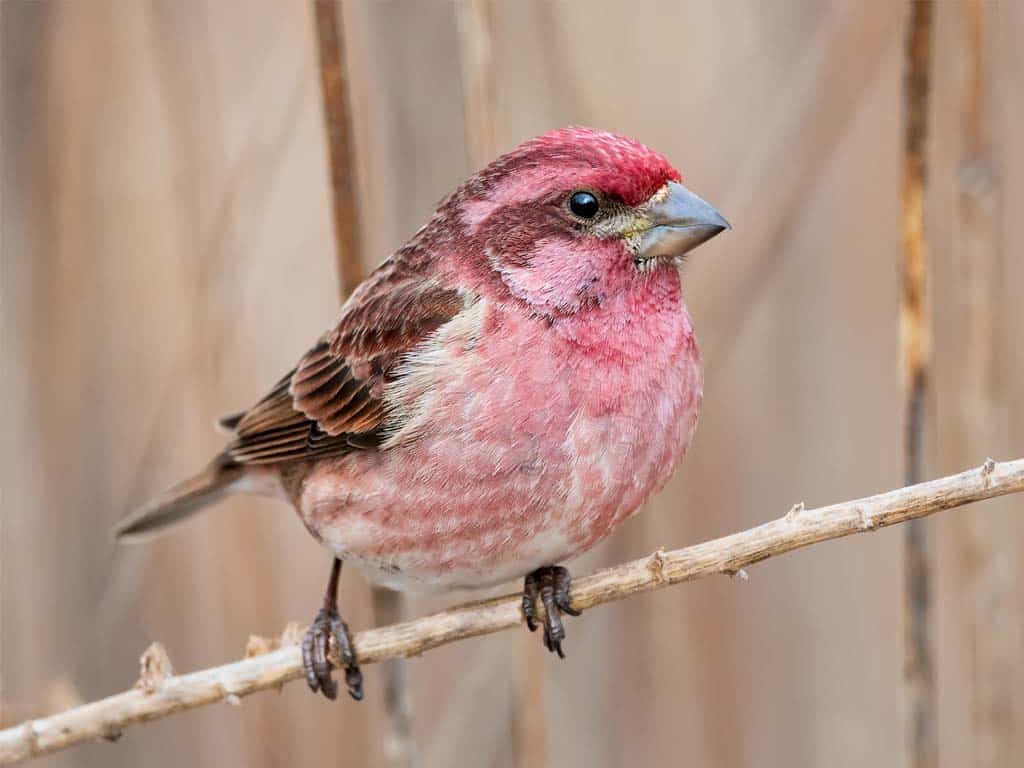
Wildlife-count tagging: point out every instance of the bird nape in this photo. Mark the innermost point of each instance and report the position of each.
(496, 397)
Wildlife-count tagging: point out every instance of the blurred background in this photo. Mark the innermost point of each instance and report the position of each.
(168, 254)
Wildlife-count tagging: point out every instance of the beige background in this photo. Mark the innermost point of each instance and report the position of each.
(167, 255)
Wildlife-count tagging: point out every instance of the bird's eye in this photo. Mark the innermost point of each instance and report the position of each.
(584, 205)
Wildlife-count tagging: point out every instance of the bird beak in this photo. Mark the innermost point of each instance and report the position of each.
(679, 221)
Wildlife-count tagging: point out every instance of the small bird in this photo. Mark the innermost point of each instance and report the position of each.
(496, 397)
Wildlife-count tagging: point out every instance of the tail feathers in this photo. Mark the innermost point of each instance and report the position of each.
(179, 502)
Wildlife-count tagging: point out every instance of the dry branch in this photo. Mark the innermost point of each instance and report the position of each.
(798, 528)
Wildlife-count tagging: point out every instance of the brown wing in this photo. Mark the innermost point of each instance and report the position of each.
(331, 403)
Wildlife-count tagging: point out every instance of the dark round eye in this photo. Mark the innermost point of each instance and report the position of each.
(584, 205)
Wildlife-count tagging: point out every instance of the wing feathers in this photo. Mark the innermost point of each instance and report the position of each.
(330, 403)
(312, 396)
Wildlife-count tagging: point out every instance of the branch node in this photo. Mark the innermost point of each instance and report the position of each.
(111, 732)
(656, 564)
(794, 512)
(867, 522)
(154, 668)
(257, 645)
(31, 738)
(233, 699)
(292, 634)
(736, 572)
(988, 467)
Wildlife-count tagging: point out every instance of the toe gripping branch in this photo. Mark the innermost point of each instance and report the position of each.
(550, 585)
(317, 642)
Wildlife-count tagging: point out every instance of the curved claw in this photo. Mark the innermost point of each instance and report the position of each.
(550, 586)
(562, 597)
(354, 682)
(530, 603)
(308, 661)
(343, 642)
(315, 656)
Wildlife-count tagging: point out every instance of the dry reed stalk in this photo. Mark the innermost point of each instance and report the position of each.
(915, 346)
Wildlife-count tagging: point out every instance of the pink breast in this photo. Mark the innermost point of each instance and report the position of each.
(531, 444)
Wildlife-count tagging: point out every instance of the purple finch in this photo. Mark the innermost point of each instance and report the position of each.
(498, 396)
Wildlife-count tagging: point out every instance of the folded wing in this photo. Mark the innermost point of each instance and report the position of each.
(332, 402)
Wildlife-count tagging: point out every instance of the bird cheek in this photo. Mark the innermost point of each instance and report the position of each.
(558, 278)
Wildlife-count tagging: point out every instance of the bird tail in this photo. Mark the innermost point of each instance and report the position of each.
(182, 500)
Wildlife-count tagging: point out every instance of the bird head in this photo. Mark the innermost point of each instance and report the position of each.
(576, 215)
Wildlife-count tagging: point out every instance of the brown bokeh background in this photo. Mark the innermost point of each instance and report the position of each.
(167, 255)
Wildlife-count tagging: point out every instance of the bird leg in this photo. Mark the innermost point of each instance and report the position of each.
(549, 585)
(317, 642)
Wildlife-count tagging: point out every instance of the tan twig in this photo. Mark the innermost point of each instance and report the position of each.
(728, 554)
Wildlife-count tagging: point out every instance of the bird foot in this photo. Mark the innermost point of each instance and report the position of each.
(549, 585)
(315, 646)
